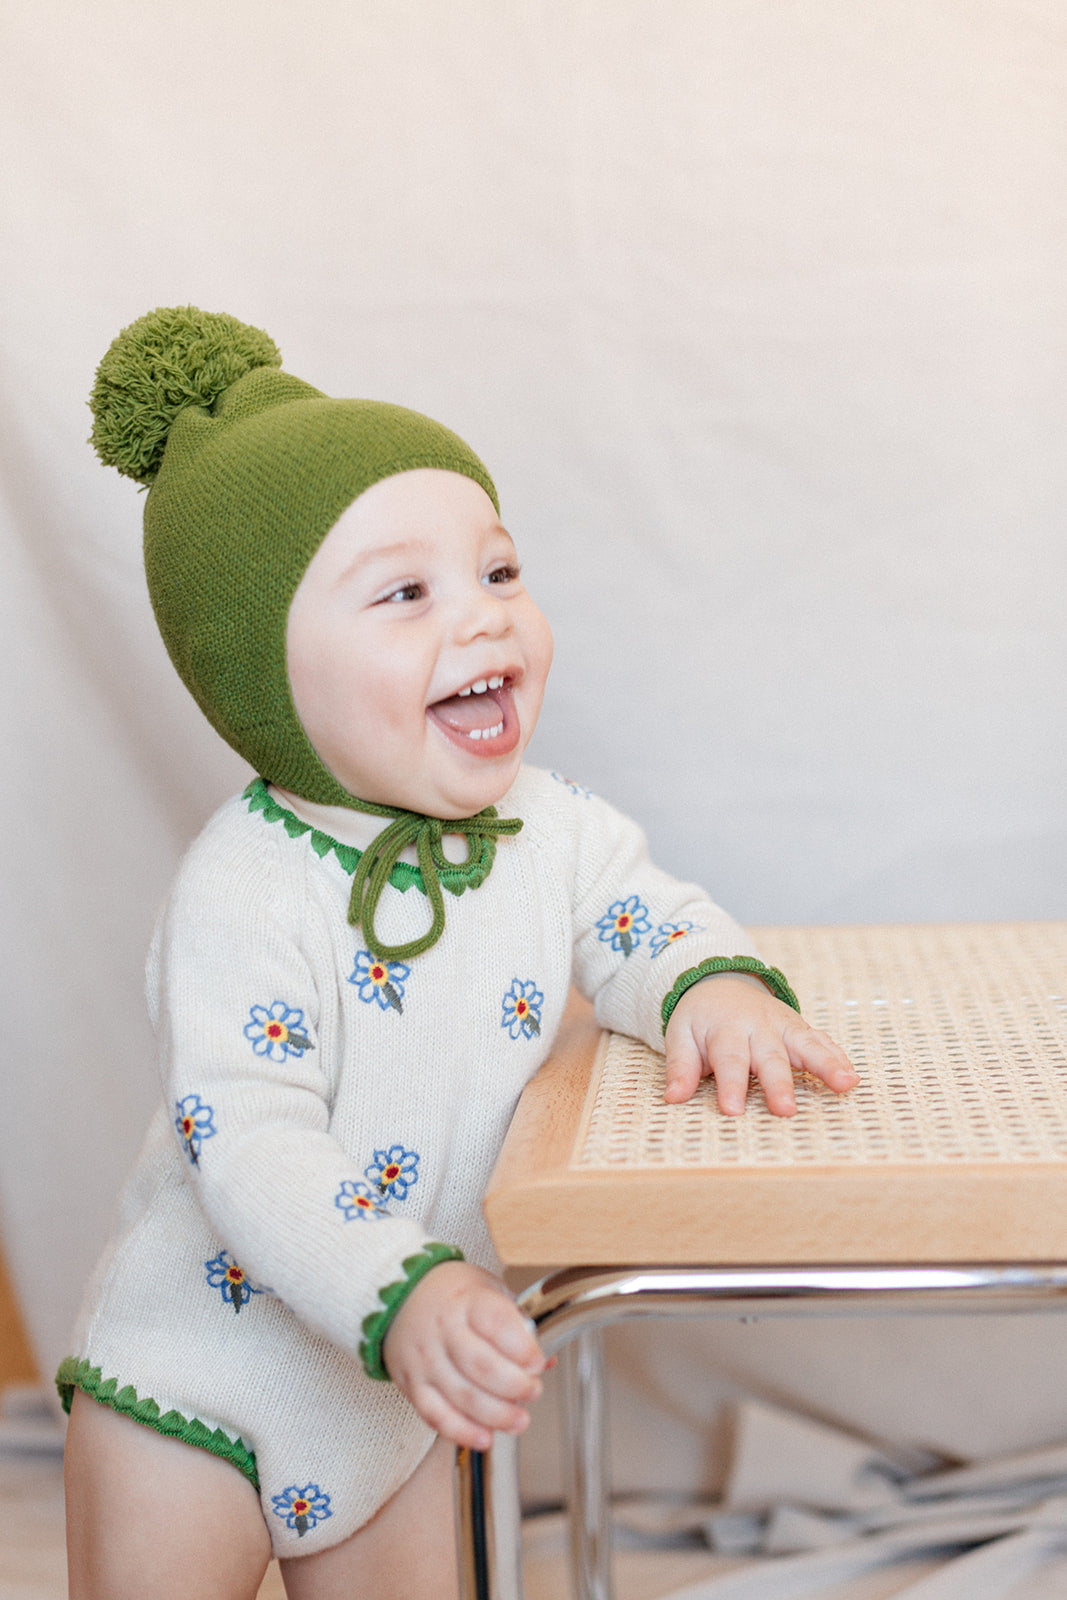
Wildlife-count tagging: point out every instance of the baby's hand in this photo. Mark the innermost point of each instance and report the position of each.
(464, 1355)
(731, 1026)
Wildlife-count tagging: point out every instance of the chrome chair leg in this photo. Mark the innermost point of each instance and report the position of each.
(576, 1302)
(489, 1521)
(585, 1458)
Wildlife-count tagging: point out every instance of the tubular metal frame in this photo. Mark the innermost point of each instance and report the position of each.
(575, 1304)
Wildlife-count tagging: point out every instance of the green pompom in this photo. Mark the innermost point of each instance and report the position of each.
(175, 357)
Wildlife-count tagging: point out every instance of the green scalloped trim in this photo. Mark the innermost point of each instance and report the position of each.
(455, 878)
(775, 980)
(376, 1326)
(401, 877)
(74, 1374)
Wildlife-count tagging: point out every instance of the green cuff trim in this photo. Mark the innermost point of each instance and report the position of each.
(775, 980)
(376, 1326)
(74, 1374)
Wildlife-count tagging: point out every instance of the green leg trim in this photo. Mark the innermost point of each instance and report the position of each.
(74, 1374)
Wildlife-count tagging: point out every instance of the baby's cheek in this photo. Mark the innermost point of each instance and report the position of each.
(547, 644)
(538, 647)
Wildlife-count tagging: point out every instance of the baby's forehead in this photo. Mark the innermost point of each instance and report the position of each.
(426, 512)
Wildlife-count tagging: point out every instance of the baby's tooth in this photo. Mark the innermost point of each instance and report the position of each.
(475, 733)
(464, 691)
(496, 683)
(480, 687)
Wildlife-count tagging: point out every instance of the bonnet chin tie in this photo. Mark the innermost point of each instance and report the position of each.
(425, 833)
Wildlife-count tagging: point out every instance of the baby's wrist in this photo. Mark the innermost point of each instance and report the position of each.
(739, 965)
(376, 1326)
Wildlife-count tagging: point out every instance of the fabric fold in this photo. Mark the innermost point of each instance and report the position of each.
(826, 1508)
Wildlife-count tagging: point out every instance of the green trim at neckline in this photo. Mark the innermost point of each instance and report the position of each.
(80, 1374)
(455, 878)
(402, 876)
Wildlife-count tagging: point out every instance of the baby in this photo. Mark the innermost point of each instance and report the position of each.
(360, 965)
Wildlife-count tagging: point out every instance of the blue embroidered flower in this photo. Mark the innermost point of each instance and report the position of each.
(522, 1009)
(393, 1171)
(575, 788)
(359, 1202)
(382, 981)
(669, 933)
(229, 1279)
(276, 1031)
(302, 1508)
(623, 924)
(195, 1123)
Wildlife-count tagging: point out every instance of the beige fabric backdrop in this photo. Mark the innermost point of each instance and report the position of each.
(755, 311)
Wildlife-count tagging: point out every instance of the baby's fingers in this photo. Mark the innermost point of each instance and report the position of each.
(730, 1059)
(772, 1067)
(473, 1379)
(438, 1412)
(495, 1318)
(684, 1066)
(481, 1367)
(813, 1051)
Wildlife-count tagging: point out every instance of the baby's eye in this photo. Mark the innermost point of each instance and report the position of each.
(502, 574)
(406, 591)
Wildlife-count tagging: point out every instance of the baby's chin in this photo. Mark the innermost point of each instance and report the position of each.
(466, 801)
(449, 800)
(449, 794)
(465, 784)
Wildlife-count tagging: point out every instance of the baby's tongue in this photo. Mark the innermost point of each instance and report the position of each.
(466, 712)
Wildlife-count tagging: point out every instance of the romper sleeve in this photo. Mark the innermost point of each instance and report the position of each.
(642, 937)
(237, 1009)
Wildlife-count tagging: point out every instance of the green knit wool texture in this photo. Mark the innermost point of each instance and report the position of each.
(248, 469)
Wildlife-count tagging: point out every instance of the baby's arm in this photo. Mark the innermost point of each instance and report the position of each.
(249, 1080)
(731, 1027)
(463, 1354)
(664, 963)
(458, 1348)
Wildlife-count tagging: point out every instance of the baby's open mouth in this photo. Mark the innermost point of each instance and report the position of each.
(481, 718)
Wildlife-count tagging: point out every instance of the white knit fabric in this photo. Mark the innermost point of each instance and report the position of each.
(426, 1065)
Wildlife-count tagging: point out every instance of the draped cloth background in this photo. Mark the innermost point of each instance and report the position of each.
(755, 312)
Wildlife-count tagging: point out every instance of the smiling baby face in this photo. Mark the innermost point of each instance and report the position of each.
(417, 660)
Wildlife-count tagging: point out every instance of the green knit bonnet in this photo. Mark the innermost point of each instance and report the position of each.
(247, 469)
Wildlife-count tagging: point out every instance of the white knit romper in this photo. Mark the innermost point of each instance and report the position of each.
(327, 1116)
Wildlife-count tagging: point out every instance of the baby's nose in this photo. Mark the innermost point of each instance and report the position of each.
(484, 615)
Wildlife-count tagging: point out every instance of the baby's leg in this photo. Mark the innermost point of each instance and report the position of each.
(407, 1548)
(147, 1515)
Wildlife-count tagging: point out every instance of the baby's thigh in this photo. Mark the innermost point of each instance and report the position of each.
(148, 1515)
(408, 1546)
